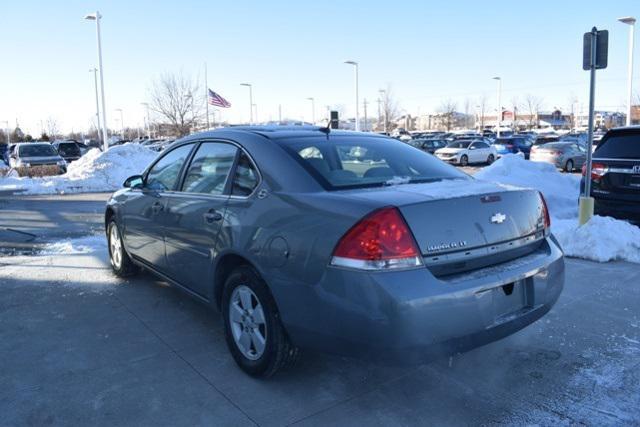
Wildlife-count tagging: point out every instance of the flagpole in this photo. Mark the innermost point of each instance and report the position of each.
(206, 93)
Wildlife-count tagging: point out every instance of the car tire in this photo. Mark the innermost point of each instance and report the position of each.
(464, 160)
(120, 261)
(253, 330)
(490, 159)
(568, 167)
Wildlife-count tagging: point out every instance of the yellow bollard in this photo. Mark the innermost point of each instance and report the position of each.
(585, 210)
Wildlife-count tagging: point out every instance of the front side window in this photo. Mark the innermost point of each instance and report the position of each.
(163, 176)
(342, 163)
(209, 169)
(245, 178)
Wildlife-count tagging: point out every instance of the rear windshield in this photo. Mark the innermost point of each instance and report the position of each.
(619, 147)
(37, 150)
(368, 162)
(69, 149)
(459, 144)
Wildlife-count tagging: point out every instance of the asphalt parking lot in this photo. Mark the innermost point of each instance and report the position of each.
(79, 347)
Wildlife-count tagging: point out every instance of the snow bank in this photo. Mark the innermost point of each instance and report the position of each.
(96, 171)
(561, 191)
(602, 239)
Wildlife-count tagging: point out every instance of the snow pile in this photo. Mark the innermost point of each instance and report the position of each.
(96, 171)
(602, 239)
(83, 245)
(561, 191)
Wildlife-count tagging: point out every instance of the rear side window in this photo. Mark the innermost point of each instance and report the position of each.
(619, 147)
(245, 178)
(163, 176)
(209, 169)
(341, 163)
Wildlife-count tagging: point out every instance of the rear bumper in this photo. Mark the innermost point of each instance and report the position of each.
(413, 316)
(617, 209)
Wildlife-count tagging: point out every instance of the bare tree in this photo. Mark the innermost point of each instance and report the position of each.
(533, 104)
(573, 100)
(52, 129)
(390, 108)
(176, 98)
(448, 111)
(467, 113)
(515, 107)
(482, 109)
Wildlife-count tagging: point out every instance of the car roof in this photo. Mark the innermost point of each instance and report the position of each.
(282, 133)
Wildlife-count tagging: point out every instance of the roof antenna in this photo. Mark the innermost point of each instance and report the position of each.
(327, 129)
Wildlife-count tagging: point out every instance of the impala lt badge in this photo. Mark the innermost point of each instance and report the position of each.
(498, 218)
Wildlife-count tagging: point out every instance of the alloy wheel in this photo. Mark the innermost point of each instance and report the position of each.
(247, 321)
(115, 246)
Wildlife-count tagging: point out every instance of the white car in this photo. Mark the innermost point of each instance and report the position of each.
(467, 151)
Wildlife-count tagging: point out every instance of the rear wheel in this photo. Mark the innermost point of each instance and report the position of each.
(253, 331)
(568, 167)
(490, 159)
(120, 261)
(464, 160)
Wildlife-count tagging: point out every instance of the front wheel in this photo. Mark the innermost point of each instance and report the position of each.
(464, 160)
(120, 261)
(253, 331)
(490, 159)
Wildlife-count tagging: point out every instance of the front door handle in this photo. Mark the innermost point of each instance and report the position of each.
(156, 208)
(212, 216)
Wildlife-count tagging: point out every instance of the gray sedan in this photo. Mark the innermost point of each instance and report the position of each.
(567, 156)
(342, 242)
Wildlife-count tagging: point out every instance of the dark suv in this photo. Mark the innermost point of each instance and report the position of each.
(615, 174)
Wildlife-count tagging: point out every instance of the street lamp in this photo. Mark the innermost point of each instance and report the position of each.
(96, 17)
(146, 106)
(250, 101)
(121, 123)
(355, 67)
(630, 21)
(499, 109)
(313, 109)
(95, 85)
(383, 94)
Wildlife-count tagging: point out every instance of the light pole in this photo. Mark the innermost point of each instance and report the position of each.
(313, 109)
(355, 67)
(96, 17)
(499, 108)
(146, 106)
(383, 95)
(630, 21)
(95, 85)
(121, 123)
(250, 101)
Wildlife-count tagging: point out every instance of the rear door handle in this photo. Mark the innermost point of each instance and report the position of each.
(156, 208)
(212, 216)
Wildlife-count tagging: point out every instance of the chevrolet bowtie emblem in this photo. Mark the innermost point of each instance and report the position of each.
(498, 218)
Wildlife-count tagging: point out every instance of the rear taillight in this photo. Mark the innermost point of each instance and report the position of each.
(379, 241)
(545, 212)
(598, 170)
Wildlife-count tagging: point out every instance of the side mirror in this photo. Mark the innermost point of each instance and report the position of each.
(472, 148)
(134, 181)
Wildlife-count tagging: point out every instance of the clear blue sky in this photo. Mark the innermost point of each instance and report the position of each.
(290, 50)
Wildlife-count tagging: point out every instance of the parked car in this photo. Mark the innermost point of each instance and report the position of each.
(466, 151)
(567, 156)
(7, 153)
(33, 154)
(615, 174)
(513, 145)
(68, 150)
(301, 247)
(431, 145)
(545, 139)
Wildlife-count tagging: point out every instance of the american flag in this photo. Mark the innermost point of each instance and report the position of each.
(217, 100)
